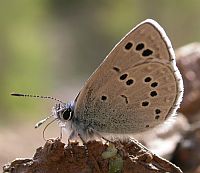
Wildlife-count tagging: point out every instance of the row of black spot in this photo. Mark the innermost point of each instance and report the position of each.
(153, 85)
(152, 94)
(139, 47)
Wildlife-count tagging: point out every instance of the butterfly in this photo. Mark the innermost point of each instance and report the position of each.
(136, 88)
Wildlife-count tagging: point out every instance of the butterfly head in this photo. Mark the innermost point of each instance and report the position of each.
(63, 112)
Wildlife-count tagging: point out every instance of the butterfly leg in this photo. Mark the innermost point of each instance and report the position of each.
(84, 144)
(71, 136)
(61, 133)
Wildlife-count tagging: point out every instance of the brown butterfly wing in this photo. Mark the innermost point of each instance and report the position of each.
(136, 87)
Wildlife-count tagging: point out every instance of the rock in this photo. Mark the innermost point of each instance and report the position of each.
(131, 157)
(188, 62)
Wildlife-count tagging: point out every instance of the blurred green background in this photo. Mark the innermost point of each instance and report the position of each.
(50, 47)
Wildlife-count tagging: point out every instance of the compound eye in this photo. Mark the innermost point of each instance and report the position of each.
(66, 114)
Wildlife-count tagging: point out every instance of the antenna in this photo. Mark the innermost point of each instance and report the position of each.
(36, 96)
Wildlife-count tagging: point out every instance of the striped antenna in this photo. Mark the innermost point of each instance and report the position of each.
(36, 96)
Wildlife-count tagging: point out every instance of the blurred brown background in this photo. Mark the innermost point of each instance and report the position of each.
(51, 47)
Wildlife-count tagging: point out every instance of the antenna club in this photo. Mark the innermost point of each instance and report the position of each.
(36, 96)
(17, 94)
